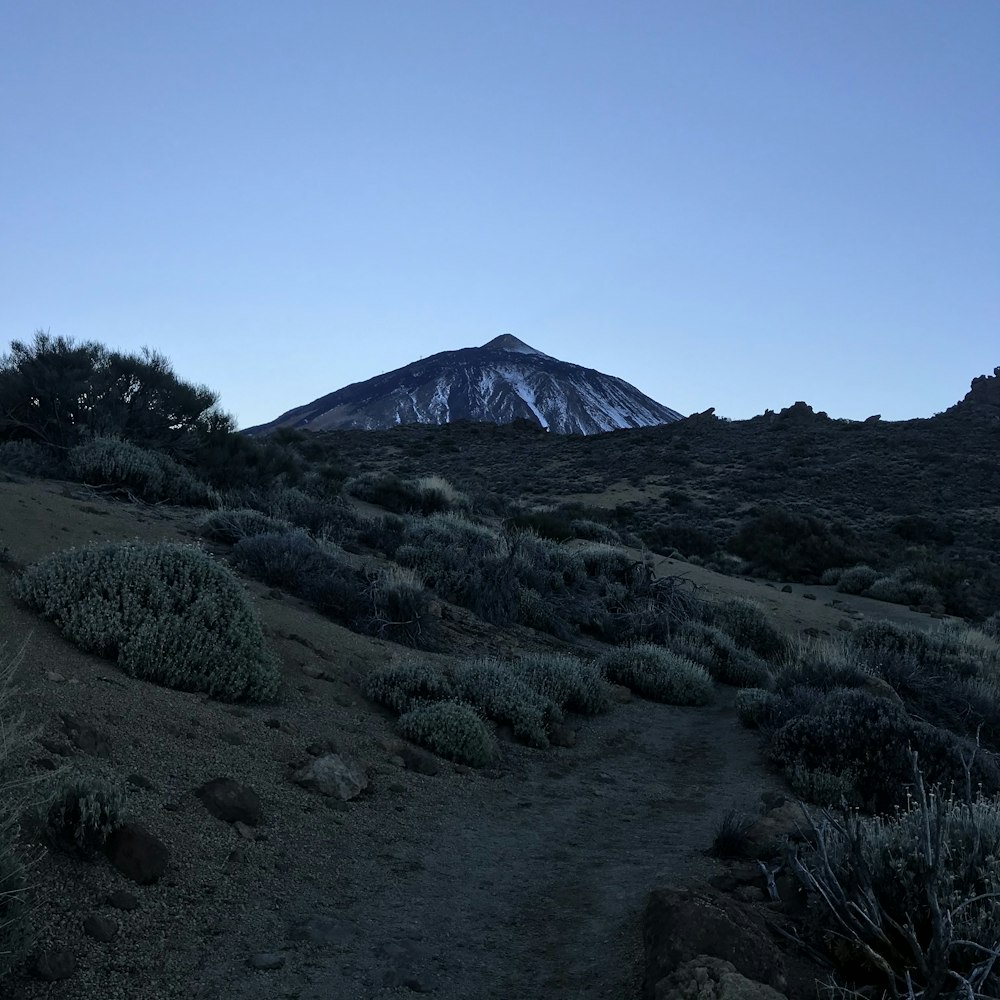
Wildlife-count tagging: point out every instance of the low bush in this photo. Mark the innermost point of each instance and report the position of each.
(506, 698)
(31, 459)
(132, 470)
(658, 674)
(857, 579)
(730, 839)
(594, 531)
(568, 681)
(719, 654)
(750, 628)
(917, 893)
(400, 686)
(229, 526)
(167, 613)
(15, 928)
(399, 608)
(427, 495)
(901, 588)
(756, 707)
(863, 739)
(450, 729)
(83, 812)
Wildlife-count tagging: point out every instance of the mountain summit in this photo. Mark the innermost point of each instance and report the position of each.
(502, 381)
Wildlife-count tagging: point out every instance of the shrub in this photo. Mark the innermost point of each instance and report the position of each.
(730, 839)
(864, 739)
(659, 674)
(505, 698)
(918, 893)
(83, 812)
(755, 707)
(229, 526)
(401, 685)
(991, 625)
(831, 577)
(594, 531)
(857, 579)
(900, 588)
(791, 546)
(14, 906)
(149, 475)
(168, 613)
(566, 680)
(399, 607)
(30, 458)
(428, 495)
(450, 729)
(748, 625)
(718, 653)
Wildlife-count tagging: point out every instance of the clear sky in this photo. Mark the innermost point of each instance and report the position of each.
(732, 204)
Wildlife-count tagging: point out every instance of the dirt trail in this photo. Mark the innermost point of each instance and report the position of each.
(531, 888)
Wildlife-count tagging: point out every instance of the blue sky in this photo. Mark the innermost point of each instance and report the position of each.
(729, 204)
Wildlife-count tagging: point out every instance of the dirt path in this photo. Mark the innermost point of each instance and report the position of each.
(532, 887)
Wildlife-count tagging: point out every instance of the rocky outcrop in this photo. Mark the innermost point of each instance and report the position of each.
(983, 397)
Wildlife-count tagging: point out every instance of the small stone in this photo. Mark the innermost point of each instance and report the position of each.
(86, 738)
(317, 930)
(787, 589)
(228, 800)
(100, 927)
(418, 760)
(233, 737)
(266, 961)
(54, 676)
(397, 761)
(809, 597)
(140, 781)
(332, 775)
(55, 965)
(462, 769)
(137, 854)
(122, 900)
(246, 832)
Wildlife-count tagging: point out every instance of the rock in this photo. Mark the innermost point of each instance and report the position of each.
(787, 589)
(681, 924)
(332, 775)
(61, 748)
(321, 747)
(230, 801)
(233, 737)
(620, 693)
(122, 900)
(266, 961)
(766, 837)
(140, 781)
(418, 760)
(879, 687)
(713, 979)
(55, 965)
(562, 736)
(54, 676)
(100, 927)
(844, 625)
(86, 738)
(246, 832)
(809, 597)
(137, 854)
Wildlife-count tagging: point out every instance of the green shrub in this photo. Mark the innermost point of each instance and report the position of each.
(857, 579)
(901, 588)
(594, 531)
(450, 729)
(918, 892)
(659, 674)
(168, 613)
(427, 495)
(149, 475)
(504, 697)
(399, 608)
(83, 812)
(749, 626)
(400, 685)
(571, 683)
(755, 707)
(229, 526)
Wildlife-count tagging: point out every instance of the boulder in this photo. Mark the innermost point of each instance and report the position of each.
(682, 924)
(230, 801)
(333, 775)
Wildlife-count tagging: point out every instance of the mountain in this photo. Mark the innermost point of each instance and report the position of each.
(502, 381)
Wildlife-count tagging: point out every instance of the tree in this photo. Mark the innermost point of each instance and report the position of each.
(57, 392)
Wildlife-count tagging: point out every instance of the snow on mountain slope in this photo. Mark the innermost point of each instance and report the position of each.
(501, 381)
